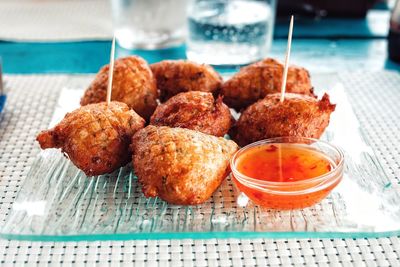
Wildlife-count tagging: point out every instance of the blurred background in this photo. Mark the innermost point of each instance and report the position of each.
(42, 36)
(338, 8)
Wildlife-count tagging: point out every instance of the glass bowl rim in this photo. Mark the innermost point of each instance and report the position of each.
(257, 182)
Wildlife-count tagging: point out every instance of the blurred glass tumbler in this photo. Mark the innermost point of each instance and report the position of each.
(149, 24)
(229, 32)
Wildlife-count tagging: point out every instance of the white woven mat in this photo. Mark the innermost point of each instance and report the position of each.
(55, 20)
(31, 102)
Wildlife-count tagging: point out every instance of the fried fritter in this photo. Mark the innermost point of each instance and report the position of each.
(297, 115)
(176, 76)
(255, 81)
(181, 166)
(95, 137)
(133, 84)
(194, 110)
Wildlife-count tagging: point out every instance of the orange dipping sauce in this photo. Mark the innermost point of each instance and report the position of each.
(283, 163)
(285, 175)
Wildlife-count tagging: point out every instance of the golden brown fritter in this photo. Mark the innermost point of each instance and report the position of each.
(194, 110)
(176, 76)
(181, 166)
(298, 115)
(255, 81)
(133, 84)
(95, 137)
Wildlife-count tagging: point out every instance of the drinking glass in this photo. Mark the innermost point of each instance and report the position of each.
(149, 24)
(229, 32)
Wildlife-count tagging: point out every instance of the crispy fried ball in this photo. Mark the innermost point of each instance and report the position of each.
(176, 76)
(194, 110)
(255, 81)
(179, 165)
(133, 84)
(297, 115)
(95, 137)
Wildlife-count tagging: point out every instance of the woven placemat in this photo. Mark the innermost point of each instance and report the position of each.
(30, 104)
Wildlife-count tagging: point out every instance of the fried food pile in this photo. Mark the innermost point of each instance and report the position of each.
(95, 137)
(257, 80)
(194, 110)
(176, 76)
(181, 157)
(298, 115)
(133, 84)
(180, 166)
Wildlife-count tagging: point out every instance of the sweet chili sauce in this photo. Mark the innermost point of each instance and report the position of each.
(283, 163)
(291, 165)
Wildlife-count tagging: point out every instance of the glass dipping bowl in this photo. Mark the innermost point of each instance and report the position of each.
(296, 194)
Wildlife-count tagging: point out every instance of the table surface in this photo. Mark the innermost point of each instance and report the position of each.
(343, 46)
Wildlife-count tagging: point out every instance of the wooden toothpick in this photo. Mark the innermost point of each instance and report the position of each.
(110, 71)
(285, 70)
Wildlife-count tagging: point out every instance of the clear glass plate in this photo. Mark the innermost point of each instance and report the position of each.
(58, 202)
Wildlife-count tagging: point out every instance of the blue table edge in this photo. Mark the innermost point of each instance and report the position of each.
(200, 235)
(2, 101)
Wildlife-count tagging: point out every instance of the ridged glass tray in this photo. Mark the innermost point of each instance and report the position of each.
(58, 202)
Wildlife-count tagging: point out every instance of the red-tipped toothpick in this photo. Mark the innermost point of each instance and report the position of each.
(285, 70)
(110, 71)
